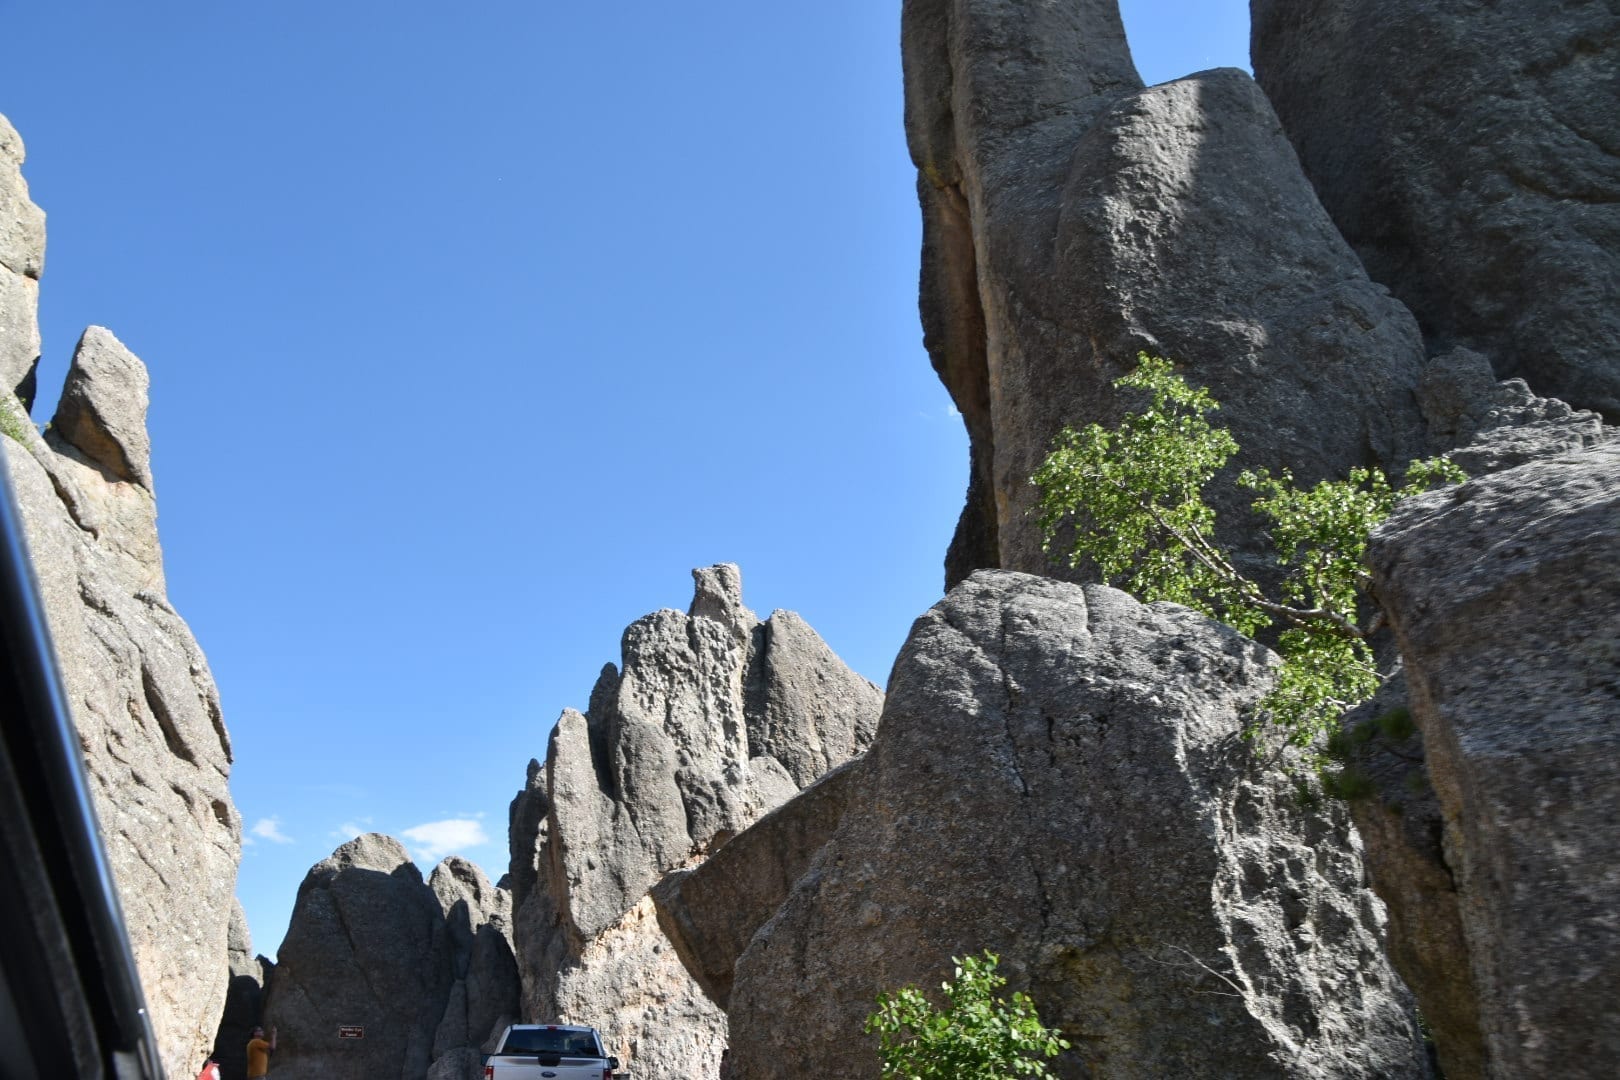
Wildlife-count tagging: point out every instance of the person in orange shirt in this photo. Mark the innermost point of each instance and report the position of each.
(258, 1053)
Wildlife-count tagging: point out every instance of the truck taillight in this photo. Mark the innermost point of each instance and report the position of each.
(489, 1072)
(607, 1074)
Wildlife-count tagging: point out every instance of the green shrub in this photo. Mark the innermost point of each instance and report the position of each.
(974, 1036)
(1130, 500)
(14, 422)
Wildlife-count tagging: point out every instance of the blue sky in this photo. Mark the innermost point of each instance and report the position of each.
(472, 329)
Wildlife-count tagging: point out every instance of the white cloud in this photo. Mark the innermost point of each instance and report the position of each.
(949, 412)
(436, 839)
(349, 830)
(269, 828)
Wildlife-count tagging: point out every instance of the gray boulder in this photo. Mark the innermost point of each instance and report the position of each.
(1061, 777)
(143, 700)
(1486, 426)
(1471, 155)
(22, 258)
(102, 413)
(365, 948)
(1504, 594)
(424, 970)
(713, 719)
(1073, 219)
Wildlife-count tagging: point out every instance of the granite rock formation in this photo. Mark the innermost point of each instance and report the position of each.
(1470, 153)
(22, 259)
(1072, 218)
(1060, 776)
(424, 969)
(713, 718)
(148, 715)
(711, 912)
(1486, 426)
(1504, 594)
(484, 988)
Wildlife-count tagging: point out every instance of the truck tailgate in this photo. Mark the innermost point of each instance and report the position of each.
(532, 1067)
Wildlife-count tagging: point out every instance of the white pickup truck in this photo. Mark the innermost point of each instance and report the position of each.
(550, 1052)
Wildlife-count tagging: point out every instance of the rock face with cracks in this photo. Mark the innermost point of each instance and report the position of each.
(1470, 153)
(714, 718)
(1061, 777)
(1486, 426)
(710, 913)
(144, 703)
(1504, 594)
(484, 986)
(423, 969)
(1492, 426)
(1073, 218)
(22, 258)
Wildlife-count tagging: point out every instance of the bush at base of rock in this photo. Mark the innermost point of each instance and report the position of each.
(973, 1034)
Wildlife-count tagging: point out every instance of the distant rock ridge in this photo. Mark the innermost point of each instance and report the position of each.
(147, 712)
(424, 970)
(713, 718)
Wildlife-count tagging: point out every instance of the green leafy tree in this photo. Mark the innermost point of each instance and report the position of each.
(1130, 500)
(974, 1036)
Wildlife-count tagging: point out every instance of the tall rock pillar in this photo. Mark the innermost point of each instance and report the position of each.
(714, 718)
(1073, 218)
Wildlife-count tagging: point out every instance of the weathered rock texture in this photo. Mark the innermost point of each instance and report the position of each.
(710, 913)
(424, 969)
(1402, 828)
(22, 258)
(1470, 152)
(713, 719)
(144, 703)
(1072, 219)
(1488, 426)
(244, 1000)
(484, 989)
(1061, 777)
(1504, 594)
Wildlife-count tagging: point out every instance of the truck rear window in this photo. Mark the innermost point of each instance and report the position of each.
(544, 1041)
